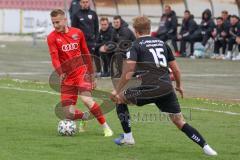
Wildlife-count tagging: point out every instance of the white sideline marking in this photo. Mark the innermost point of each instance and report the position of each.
(32, 62)
(211, 75)
(23, 73)
(216, 111)
(29, 90)
(55, 93)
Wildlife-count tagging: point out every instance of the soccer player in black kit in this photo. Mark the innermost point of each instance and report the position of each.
(151, 57)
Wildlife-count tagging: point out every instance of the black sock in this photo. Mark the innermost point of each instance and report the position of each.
(194, 135)
(124, 117)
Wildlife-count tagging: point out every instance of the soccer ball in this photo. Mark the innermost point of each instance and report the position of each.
(67, 127)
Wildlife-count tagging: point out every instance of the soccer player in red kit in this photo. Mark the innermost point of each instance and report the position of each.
(67, 44)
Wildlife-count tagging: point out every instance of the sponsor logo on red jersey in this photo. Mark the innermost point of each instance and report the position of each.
(69, 47)
(75, 36)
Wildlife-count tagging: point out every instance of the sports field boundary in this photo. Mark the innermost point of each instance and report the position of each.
(55, 93)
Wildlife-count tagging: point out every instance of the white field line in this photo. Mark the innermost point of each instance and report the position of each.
(184, 75)
(55, 93)
(29, 62)
(29, 90)
(216, 111)
(23, 73)
(211, 75)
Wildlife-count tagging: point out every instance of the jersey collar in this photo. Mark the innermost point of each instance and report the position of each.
(148, 35)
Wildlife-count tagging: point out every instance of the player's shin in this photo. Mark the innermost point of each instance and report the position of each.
(78, 114)
(97, 112)
(124, 117)
(193, 134)
(70, 112)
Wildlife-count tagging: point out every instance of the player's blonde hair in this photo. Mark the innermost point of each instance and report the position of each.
(142, 25)
(56, 12)
(104, 18)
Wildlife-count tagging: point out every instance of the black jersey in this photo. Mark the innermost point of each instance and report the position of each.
(152, 56)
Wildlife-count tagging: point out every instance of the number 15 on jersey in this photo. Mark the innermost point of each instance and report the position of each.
(159, 59)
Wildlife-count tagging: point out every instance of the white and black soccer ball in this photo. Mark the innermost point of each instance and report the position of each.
(67, 127)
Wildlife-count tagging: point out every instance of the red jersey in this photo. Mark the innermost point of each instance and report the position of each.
(66, 46)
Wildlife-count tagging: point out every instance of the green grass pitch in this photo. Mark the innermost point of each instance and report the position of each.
(28, 129)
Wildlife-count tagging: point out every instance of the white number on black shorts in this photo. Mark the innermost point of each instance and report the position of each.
(159, 58)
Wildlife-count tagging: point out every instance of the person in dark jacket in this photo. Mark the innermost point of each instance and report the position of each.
(226, 19)
(171, 24)
(189, 26)
(162, 29)
(74, 8)
(220, 38)
(206, 26)
(121, 31)
(87, 20)
(105, 36)
(234, 35)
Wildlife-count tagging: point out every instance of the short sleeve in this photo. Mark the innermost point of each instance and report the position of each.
(170, 56)
(132, 54)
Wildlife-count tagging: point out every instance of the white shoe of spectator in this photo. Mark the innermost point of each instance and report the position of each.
(237, 58)
(214, 56)
(97, 74)
(228, 56)
(221, 56)
(193, 57)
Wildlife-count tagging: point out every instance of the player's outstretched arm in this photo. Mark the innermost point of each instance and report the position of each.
(86, 55)
(177, 75)
(53, 50)
(127, 73)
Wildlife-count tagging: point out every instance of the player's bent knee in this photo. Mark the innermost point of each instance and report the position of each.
(88, 101)
(69, 111)
(178, 120)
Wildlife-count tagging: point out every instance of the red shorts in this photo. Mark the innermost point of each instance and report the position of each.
(75, 83)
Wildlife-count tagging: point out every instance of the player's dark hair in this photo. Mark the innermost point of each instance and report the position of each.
(224, 12)
(219, 18)
(56, 12)
(187, 11)
(117, 17)
(235, 16)
(142, 25)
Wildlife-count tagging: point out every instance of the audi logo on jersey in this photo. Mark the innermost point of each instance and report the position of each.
(69, 47)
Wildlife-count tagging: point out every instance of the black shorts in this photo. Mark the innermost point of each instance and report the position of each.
(167, 102)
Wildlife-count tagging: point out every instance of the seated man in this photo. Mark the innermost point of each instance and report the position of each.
(206, 26)
(220, 39)
(234, 34)
(189, 26)
(168, 28)
(104, 36)
(121, 32)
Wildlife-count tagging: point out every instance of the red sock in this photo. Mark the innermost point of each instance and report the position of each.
(73, 116)
(78, 114)
(96, 111)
